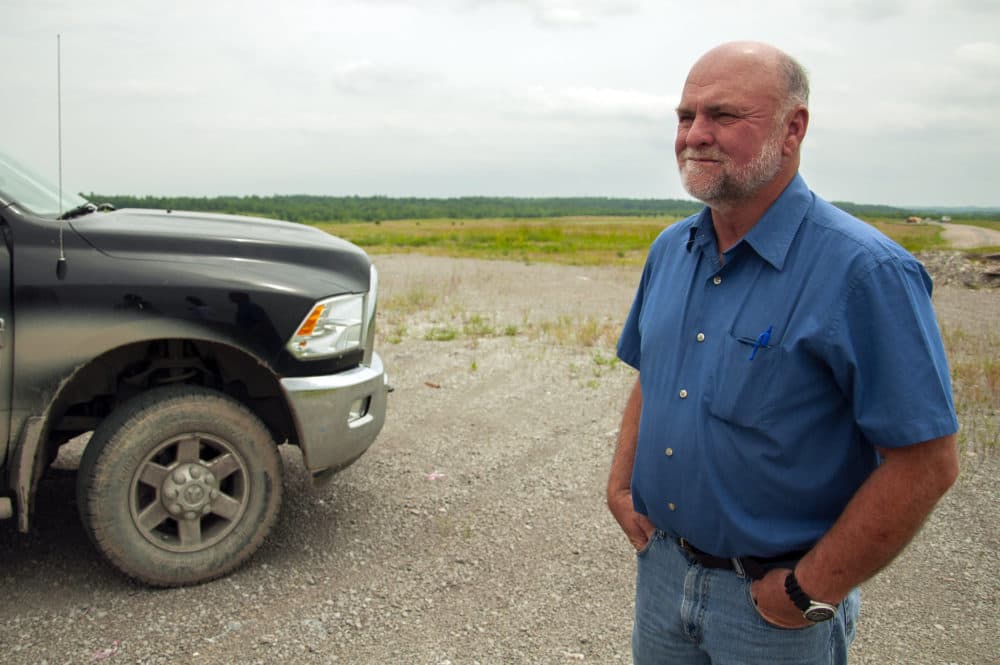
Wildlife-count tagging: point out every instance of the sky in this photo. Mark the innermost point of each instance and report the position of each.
(444, 98)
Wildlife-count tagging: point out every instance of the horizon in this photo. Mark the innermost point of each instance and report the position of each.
(94, 198)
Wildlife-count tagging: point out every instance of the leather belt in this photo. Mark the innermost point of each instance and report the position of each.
(749, 566)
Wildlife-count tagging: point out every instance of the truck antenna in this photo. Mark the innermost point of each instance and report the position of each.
(61, 262)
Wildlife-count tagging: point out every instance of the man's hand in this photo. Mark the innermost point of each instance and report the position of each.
(637, 527)
(773, 603)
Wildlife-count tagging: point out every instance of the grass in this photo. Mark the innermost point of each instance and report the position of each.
(975, 380)
(570, 240)
(980, 252)
(913, 237)
(587, 332)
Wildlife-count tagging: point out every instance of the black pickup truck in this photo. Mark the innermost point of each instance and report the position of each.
(190, 345)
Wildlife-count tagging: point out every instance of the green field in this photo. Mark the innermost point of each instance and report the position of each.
(569, 240)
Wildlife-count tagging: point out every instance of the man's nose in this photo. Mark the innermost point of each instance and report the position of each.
(699, 132)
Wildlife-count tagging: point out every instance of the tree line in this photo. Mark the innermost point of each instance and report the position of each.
(319, 209)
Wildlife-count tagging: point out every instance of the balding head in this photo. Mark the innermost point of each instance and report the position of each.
(786, 79)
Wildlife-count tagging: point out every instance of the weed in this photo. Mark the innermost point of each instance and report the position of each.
(602, 360)
(418, 298)
(441, 334)
(975, 379)
(476, 325)
(396, 333)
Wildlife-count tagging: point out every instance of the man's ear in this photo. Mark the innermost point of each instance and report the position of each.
(798, 122)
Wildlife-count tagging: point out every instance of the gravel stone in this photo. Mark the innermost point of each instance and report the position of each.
(475, 529)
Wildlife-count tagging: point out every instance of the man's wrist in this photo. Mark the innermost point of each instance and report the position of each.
(812, 610)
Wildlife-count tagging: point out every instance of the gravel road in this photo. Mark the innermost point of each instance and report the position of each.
(963, 236)
(475, 530)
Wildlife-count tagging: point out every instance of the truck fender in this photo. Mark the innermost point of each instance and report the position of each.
(27, 468)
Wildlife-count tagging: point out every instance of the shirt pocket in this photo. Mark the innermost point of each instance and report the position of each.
(745, 384)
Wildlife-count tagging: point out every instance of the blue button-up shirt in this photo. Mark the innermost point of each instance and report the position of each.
(770, 377)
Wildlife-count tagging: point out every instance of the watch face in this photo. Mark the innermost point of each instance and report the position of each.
(817, 614)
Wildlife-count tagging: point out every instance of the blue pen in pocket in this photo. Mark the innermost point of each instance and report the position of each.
(762, 340)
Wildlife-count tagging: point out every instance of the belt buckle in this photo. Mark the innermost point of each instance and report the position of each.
(738, 567)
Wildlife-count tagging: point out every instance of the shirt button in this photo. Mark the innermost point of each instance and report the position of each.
(671, 506)
(683, 393)
(700, 337)
(670, 452)
(717, 280)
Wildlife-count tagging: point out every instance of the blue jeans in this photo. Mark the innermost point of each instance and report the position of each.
(686, 614)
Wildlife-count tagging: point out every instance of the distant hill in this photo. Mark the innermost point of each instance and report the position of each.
(870, 210)
(306, 208)
(316, 209)
(960, 211)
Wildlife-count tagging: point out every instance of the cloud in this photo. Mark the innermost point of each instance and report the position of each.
(569, 13)
(150, 89)
(865, 10)
(566, 13)
(585, 102)
(366, 77)
(979, 53)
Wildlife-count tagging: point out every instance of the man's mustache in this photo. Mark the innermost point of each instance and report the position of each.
(689, 153)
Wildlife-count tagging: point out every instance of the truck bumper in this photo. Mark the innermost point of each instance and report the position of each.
(337, 416)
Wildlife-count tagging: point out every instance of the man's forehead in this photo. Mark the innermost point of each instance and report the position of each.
(735, 87)
(721, 96)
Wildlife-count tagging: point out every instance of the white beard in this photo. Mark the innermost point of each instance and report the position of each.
(730, 186)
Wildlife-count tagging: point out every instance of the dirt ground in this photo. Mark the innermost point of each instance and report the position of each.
(475, 529)
(962, 236)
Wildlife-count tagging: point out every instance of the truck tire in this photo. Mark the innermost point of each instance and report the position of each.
(179, 485)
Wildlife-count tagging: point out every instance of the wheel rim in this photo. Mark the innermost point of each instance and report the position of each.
(189, 492)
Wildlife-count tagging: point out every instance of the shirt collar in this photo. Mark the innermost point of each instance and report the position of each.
(772, 235)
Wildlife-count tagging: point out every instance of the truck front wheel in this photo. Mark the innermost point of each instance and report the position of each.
(179, 485)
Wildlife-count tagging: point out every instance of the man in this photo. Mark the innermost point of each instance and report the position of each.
(792, 423)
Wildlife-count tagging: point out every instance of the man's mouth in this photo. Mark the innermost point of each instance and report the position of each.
(700, 158)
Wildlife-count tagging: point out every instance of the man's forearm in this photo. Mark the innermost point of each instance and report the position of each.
(620, 477)
(884, 515)
(637, 527)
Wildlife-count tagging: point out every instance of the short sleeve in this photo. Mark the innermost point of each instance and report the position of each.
(890, 359)
(630, 342)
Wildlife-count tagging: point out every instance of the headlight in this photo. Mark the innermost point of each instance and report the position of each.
(333, 327)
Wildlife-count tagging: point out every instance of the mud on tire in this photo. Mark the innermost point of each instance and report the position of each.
(179, 485)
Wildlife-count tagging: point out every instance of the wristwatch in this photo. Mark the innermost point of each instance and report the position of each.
(813, 610)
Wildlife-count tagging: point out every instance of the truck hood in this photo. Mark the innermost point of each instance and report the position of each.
(178, 236)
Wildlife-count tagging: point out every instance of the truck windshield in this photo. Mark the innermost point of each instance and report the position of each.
(36, 194)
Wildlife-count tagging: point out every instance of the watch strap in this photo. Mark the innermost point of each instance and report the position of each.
(796, 593)
(813, 610)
